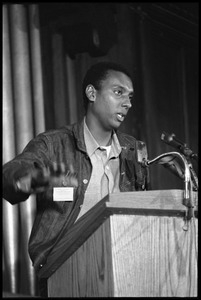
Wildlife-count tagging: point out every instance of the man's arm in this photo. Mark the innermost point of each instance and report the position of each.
(33, 158)
(33, 172)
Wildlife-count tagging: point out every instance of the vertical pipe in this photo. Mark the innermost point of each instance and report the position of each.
(23, 117)
(27, 213)
(21, 75)
(60, 100)
(10, 212)
(36, 67)
(11, 245)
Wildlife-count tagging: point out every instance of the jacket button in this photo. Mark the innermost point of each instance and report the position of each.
(85, 181)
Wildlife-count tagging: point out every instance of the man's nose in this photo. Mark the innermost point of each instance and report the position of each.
(127, 104)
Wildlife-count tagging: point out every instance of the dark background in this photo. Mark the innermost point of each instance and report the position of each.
(157, 42)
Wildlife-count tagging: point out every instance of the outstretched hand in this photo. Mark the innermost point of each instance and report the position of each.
(40, 180)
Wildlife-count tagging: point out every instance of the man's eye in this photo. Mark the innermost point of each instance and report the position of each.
(118, 92)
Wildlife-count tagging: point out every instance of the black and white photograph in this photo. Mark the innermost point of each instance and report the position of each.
(100, 149)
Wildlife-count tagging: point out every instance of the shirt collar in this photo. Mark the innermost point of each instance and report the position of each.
(116, 148)
(92, 145)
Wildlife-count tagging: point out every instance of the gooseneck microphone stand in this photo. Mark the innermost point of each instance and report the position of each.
(188, 185)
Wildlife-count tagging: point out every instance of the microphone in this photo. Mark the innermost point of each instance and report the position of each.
(171, 140)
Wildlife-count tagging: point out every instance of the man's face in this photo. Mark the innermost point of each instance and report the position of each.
(113, 100)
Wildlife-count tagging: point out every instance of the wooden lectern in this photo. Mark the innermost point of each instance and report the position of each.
(133, 244)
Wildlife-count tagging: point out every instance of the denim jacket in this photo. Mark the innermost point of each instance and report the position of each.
(67, 145)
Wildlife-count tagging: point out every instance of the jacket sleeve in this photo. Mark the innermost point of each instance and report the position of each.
(35, 155)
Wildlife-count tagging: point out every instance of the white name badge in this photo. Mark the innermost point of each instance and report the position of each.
(63, 193)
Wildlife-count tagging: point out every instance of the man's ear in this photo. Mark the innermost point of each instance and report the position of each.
(90, 92)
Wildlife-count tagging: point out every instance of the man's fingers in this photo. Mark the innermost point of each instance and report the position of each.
(74, 181)
(70, 180)
(57, 169)
(55, 175)
(71, 169)
(62, 167)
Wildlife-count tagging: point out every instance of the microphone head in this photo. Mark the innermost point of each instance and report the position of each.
(166, 137)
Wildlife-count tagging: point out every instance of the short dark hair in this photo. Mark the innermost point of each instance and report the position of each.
(97, 73)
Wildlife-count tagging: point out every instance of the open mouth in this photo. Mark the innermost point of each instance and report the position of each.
(120, 117)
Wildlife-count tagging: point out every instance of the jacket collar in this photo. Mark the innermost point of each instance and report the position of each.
(124, 141)
(78, 131)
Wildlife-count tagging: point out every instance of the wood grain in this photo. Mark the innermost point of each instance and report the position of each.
(153, 256)
(156, 199)
(165, 202)
(132, 256)
(88, 272)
